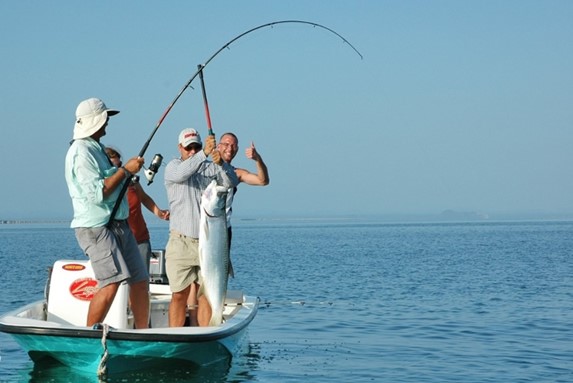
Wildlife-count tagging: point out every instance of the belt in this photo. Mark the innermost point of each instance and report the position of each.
(175, 233)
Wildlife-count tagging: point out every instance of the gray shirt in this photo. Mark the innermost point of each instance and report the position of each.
(185, 181)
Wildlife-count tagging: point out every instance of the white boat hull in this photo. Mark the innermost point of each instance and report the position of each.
(82, 347)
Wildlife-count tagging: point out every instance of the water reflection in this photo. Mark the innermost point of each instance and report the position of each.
(228, 369)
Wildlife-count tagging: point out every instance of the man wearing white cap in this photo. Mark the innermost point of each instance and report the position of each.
(94, 185)
(185, 180)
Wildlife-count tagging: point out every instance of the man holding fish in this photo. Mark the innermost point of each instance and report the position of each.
(186, 178)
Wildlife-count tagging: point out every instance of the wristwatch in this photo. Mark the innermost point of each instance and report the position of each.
(126, 172)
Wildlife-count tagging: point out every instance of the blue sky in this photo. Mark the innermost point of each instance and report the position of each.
(462, 105)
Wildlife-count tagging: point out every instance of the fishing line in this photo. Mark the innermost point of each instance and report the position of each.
(268, 304)
(199, 72)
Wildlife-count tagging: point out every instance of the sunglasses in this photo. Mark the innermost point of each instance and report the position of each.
(195, 147)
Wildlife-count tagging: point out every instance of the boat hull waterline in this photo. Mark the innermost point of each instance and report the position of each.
(81, 347)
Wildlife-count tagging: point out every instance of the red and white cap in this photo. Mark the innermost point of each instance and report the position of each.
(189, 136)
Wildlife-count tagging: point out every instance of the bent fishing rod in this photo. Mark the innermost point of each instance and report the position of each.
(199, 72)
(205, 102)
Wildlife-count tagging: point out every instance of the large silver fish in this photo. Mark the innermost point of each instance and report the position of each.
(214, 249)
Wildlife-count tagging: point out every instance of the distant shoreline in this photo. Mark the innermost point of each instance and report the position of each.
(30, 221)
(445, 216)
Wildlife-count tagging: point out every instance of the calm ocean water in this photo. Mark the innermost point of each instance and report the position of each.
(359, 301)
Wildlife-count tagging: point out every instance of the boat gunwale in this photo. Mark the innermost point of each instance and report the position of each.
(228, 329)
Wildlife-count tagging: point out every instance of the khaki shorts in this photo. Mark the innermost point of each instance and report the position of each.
(182, 261)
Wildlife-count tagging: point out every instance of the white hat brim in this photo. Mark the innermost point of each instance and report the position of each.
(88, 125)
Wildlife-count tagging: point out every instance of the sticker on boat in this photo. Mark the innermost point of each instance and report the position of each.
(73, 267)
(83, 289)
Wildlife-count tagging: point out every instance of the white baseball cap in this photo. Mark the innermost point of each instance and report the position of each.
(91, 115)
(189, 136)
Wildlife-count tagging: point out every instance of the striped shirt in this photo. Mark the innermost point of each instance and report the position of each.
(185, 181)
(87, 166)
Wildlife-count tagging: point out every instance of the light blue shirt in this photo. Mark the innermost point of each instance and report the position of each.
(87, 166)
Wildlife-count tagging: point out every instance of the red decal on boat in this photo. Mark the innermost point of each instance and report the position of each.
(84, 289)
(73, 267)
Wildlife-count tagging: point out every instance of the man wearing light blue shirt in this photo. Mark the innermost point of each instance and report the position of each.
(94, 185)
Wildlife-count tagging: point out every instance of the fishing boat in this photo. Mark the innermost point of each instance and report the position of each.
(54, 327)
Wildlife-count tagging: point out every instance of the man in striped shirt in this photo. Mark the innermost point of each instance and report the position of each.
(185, 180)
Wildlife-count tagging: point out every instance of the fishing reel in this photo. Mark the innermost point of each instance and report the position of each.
(153, 168)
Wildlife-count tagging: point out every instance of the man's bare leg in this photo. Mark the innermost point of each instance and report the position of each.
(100, 303)
(178, 307)
(192, 305)
(139, 298)
(203, 311)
